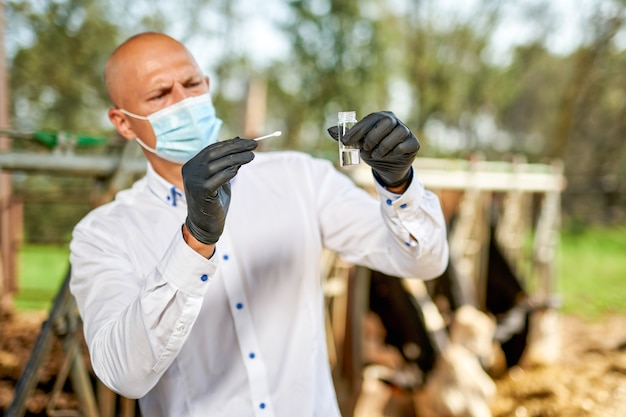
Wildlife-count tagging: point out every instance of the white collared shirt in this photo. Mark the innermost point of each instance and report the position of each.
(240, 334)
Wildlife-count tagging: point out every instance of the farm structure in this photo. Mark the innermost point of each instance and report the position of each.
(503, 230)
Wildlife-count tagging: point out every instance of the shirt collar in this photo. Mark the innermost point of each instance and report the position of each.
(163, 189)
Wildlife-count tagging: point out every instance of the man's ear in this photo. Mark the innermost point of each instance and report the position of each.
(120, 121)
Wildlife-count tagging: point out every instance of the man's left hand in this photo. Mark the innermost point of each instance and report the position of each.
(386, 144)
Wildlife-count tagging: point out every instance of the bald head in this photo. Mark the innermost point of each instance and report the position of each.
(137, 59)
(148, 73)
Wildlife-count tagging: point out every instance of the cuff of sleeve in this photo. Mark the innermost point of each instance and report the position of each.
(185, 268)
(406, 209)
(379, 179)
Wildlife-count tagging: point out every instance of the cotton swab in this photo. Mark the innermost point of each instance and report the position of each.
(271, 135)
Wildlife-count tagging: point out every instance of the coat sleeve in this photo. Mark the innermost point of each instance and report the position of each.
(400, 235)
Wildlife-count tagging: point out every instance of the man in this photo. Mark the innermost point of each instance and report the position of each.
(199, 288)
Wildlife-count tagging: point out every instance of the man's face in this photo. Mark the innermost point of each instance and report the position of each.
(152, 74)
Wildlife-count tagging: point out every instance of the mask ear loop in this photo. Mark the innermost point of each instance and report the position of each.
(136, 116)
(146, 147)
(139, 141)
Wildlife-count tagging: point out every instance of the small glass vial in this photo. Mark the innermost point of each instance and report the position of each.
(348, 155)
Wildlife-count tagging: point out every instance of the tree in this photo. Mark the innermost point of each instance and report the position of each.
(337, 63)
(56, 77)
(605, 29)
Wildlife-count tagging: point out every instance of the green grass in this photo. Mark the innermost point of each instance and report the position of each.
(592, 272)
(41, 272)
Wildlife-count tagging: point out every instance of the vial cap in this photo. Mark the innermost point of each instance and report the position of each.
(346, 116)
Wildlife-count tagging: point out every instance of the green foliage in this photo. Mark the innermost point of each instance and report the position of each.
(337, 63)
(56, 80)
(524, 90)
(446, 71)
(430, 68)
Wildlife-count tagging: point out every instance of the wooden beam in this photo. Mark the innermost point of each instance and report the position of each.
(8, 256)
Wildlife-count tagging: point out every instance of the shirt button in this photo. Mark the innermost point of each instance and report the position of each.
(225, 257)
(262, 405)
(403, 206)
(239, 306)
(388, 202)
(204, 278)
(252, 355)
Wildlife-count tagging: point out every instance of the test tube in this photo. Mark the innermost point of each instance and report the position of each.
(348, 155)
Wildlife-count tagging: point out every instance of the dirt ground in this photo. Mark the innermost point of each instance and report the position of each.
(18, 335)
(589, 380)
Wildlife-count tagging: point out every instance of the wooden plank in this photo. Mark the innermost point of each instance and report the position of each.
(480, 175)
(67, 164)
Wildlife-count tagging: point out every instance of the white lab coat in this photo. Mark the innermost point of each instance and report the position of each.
(240, 334)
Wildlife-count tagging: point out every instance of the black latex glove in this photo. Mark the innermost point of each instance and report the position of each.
(386, 144)
(207, 188)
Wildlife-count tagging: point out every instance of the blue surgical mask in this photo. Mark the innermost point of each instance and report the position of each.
(182, 129)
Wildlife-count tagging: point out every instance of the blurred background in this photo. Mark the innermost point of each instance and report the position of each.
(539, 81)
(540, 78)
(544, 79)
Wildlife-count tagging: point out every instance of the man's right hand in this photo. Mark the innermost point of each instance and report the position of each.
(207, 188)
